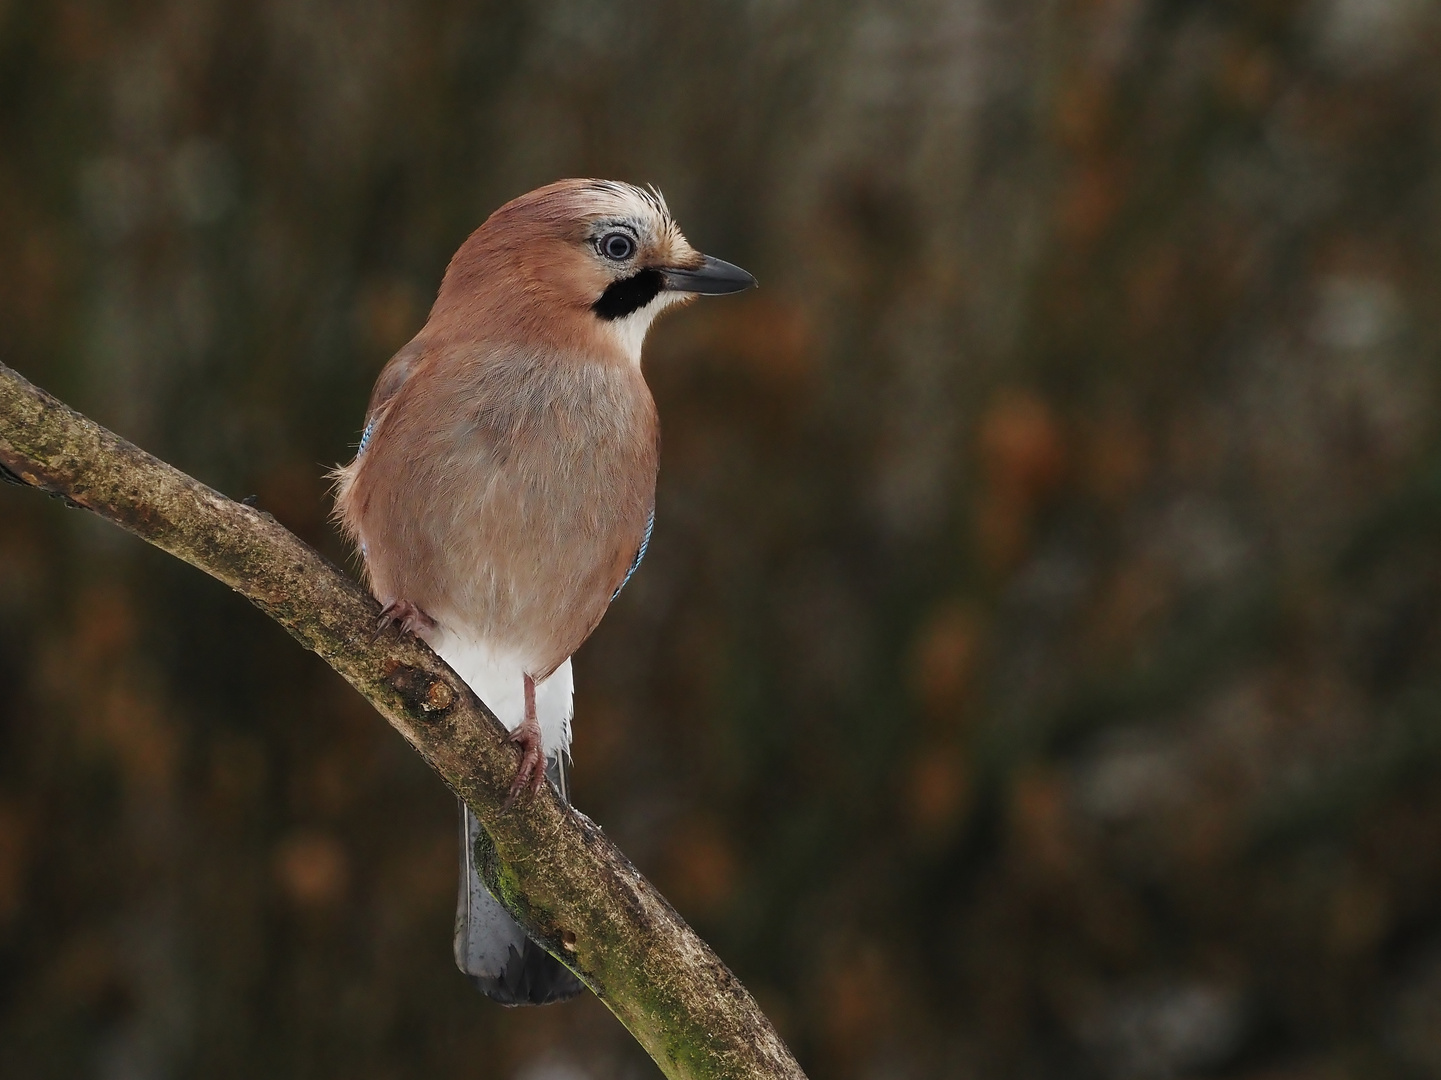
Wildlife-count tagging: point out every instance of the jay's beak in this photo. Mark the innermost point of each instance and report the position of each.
(713, 277)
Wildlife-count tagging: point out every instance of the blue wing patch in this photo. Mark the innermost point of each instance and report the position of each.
(365, 439)
(639, 555)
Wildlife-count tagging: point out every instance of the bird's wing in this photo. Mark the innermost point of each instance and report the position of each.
(392, 377)
(639, 554)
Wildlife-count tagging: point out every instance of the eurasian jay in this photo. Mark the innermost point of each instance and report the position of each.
(504, 488)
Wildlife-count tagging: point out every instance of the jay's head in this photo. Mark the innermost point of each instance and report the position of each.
(578, 264)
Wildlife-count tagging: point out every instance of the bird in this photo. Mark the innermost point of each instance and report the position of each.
(503, 490)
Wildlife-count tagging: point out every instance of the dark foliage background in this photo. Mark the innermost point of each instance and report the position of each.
(1035, 670)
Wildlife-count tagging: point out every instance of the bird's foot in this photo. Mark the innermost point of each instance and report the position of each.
(530, 775)
(405, 614)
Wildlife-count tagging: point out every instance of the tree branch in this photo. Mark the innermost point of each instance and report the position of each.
(551, 866)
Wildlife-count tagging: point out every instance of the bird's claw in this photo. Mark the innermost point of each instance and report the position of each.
(405, 614)
(530, 774)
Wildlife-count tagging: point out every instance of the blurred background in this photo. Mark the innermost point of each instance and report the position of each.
(1034, 673)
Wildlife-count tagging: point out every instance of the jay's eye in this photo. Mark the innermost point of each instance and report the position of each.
(617, 246)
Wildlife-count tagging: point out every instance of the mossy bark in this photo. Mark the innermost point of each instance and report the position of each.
(551, 866)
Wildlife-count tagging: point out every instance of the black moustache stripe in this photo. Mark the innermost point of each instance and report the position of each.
(629, 294)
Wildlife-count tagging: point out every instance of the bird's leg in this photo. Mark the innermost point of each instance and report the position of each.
(405, 614)
(531, 773)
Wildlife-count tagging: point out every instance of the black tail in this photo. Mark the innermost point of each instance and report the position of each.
(490, 947)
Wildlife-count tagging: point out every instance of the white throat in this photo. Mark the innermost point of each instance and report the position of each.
(630, 330)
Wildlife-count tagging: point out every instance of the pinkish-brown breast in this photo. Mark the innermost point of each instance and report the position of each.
(506, 493)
